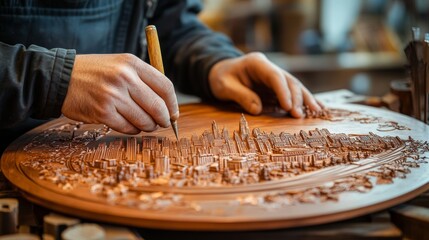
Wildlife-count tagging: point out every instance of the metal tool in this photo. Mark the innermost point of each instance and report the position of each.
(155, 58)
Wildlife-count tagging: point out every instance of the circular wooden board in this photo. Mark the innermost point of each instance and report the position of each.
(233, 208)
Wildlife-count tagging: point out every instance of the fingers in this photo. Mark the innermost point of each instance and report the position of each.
(114, 119)
(147, 101)
(321, 105)
(242, 95)
(310, 101)
(162, 87)
(120, 124)
(291, 93)
(300, 96)
(259, 67)
(233, 79)
(297, 98)
(122, 114)
(137, 116)
(121, 91)
(154, 97)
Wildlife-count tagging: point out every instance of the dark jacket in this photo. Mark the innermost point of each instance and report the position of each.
(40, 38)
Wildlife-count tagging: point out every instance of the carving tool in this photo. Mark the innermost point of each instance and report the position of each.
(155, 58)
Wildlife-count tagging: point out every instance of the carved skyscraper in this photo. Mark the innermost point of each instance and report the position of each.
(243, 128)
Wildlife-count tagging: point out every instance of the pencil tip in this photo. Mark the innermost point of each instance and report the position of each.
(175, 129)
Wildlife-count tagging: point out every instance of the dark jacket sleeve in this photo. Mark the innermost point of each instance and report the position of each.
(33, 82)
(188, 47)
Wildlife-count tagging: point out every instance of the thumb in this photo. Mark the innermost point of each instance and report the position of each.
(246, 98)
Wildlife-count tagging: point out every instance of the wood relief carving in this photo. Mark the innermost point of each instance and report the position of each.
(245, 167)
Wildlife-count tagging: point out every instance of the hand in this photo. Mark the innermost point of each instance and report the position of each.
(237, 79)
(121, 91)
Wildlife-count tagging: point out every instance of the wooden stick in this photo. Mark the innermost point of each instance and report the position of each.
(154, 49)
(155, 58)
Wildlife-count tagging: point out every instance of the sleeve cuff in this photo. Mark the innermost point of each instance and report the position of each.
(61, 74)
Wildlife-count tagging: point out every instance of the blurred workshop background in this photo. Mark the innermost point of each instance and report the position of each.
(328, 44)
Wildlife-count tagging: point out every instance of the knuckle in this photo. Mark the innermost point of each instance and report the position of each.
(224, 86)
(125, 66)
(121, 73)
(256, 56)
(106, 94)
(122, 69)
(129, 58)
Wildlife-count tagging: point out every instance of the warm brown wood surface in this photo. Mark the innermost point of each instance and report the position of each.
(195, 118)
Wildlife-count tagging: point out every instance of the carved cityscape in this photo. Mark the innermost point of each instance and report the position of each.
(133, 167)
(215, 158)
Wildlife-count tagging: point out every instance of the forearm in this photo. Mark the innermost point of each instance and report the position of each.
(189, 48)
(33, 82)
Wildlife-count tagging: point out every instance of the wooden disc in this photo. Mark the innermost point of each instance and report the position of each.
(230, 207)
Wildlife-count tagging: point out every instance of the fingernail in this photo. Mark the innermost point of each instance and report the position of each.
(175, 116)
(255, 108)
(299, 111)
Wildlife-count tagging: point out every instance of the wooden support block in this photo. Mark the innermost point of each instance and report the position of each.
(84, 231)
(19, 236)
(337, 231)
(8, 216)
(412, 220)
(380, 217)
(350, 231)
(113, 232)
(54, 225)
(402, 89)
(422, 200)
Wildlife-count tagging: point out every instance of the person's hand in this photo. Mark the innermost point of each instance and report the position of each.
(237, 79)
(121, 91)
